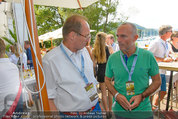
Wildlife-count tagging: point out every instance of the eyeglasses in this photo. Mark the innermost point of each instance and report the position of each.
(87, 36)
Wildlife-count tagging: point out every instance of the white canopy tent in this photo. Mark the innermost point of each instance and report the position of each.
(53, 35)
(62, 3)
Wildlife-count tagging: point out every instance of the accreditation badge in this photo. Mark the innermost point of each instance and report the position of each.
(130, 88)
(91, 92)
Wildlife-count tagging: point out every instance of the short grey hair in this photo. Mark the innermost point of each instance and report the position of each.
(134, 28)
(163, 29)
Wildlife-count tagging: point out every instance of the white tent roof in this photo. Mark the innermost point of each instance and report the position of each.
(53, 35)
(61, 3)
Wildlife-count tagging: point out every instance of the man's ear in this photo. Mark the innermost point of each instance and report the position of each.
(72, 35)
(136, 37)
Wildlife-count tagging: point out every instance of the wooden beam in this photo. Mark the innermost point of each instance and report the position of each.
(33, 29)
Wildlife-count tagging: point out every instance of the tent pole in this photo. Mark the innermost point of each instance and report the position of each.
(79, 4)
(44, 97)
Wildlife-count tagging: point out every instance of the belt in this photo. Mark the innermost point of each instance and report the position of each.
(79, 113)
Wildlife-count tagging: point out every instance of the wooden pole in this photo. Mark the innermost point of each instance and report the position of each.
(30, 23)
(79, 4)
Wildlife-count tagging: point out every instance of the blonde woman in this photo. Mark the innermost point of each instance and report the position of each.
(100, 54)
(16, 53)
(11, 89)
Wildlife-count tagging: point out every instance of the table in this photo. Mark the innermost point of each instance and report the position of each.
(171, 66)
(29, 81)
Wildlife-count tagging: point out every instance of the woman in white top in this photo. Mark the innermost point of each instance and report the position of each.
(10, 86)
(17, 53)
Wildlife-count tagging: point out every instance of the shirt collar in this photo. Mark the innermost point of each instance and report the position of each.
(162, 41)
(135, 53)
(69, 52)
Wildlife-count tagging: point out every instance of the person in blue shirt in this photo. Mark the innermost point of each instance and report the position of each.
(28, 52)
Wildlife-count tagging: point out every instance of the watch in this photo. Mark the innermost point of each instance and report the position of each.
(115, 96)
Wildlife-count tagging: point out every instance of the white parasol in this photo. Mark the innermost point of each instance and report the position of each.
(53, 35)
(62, 3)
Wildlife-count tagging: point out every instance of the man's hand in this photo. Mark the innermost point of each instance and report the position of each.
(136, 101)
(123, 102)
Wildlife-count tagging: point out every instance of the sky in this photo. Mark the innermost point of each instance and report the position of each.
(150, 13)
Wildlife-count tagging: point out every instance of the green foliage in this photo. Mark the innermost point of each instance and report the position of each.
(8, 40)
(48, 19)
(7, 47)
(57, 42)
(101, 17)
(47, 44)
(12, 34)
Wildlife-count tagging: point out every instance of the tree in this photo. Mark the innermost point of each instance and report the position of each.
(102, 16)
(48, 19)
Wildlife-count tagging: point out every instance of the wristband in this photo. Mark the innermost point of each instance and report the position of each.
(115, 96)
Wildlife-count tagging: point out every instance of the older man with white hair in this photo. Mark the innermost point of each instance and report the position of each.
(161, 51)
